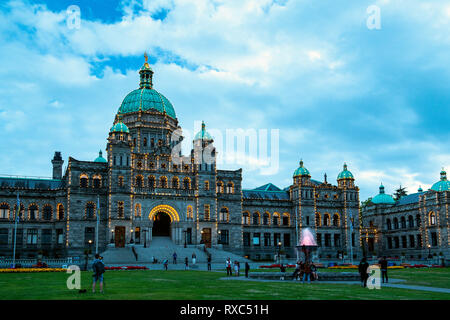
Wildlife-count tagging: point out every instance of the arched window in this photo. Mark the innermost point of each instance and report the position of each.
(230, 187)
(224, 214)
(336, 220)
(246, 218)
(175, 182)
(255, 218)
(432, 218)
(47, 212)
(33, 212)
(145, 142)
(84, 180)
(120, 209)
(219, 187)
(137, 210)
(266, 218)
(60, 210)
(4, 211)
(395, 223)
(187, 183)
(151, 181)
(318, 220)
(139, 181)
(286, 219)
(97, 181)
(276, 219)
(403, 222)
(120, 182)
(90, 210)
(163, 182)
(388, 224)
(206, 185)
(326, 219)
(411, 221)
(190, 212)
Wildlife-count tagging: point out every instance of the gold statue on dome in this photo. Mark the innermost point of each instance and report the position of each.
(146, 60)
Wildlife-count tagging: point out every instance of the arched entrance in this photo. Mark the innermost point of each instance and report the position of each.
(161, 225)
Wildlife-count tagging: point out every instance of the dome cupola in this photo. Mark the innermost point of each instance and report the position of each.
(203, 134)
(100, 158)
(301, 171)
(383, 198)
(345, 174)
(443, 184)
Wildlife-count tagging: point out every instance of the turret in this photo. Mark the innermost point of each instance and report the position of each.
(57, 163)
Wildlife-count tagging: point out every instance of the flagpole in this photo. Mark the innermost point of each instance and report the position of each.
(96, 229)
(15, 230)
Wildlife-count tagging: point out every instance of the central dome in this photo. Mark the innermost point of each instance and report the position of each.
(146, 99)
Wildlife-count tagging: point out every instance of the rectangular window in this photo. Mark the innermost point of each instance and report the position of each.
(89, 234)
(307, 221)
(59, 236)
(3, 213)
(120, 209)
(32, 235)
(207, 212)
(256, 239)
(411, 241)
(266, 239)
(276, 239)
(246, 238)
(206, 185)
(327, 240)
(287, 240)
(337, 240)
(404, 243)
(419, 240)
(137, 235)
(224, 237)
(434, 239)
(3, 237)
(46, 236)
(397, 242)
(319, 239)
(389, 243)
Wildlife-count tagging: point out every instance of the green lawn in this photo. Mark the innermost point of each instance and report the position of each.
(205, 286)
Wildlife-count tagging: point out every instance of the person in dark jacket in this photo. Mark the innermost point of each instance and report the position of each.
(362, 268)
(283, 272)
(383, 267)
(247, 268)
(209, 262)
(98, 268)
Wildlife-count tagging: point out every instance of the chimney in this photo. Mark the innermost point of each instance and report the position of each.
(57, 163)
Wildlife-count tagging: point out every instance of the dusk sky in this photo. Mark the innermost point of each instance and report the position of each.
(377, 99)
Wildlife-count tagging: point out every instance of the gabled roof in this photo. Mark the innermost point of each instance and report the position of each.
(410, 198)
(268, 187)
(268, 191)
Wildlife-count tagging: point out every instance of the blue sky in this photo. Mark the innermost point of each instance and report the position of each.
(337, 91)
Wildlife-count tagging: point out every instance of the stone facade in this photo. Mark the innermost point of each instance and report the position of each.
(145, 188)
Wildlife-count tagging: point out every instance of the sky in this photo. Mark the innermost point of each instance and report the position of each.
(337, 90)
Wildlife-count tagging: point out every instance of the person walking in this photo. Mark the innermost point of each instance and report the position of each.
(174, 258)
(99, 268)
(228, 265)
(236, 269)
(283, 271)
(186, 263)
(166, 264)
(247, 268)
(209, 262)
(384, 266)
(307, 272)
(194, 258)
(362, 268)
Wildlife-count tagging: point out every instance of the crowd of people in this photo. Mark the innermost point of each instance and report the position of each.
(303, 270)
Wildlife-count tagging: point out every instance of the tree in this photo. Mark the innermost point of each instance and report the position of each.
(400, 192)
(366, 202)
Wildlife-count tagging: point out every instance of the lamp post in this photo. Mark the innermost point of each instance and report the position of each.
(145, 238)
(429, 252)
(131, 236)
(219, 234)
(112, 235)
(279, 251)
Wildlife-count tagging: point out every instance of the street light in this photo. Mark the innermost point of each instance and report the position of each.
(112, 235)
(131, 236)
(218, 237)
(279, 251)
(429, 252)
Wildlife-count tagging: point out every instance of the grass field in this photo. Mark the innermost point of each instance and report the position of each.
(208, 286)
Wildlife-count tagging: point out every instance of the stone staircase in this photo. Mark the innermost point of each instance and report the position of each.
(163, 248)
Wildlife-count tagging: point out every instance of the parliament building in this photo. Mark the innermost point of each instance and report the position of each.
(143, 189)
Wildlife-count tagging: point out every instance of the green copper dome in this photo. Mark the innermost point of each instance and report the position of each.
(443, 184)
(120, 127)
(383, 198)
(100, 158)
(146, 99)
(345, 174)
(301, 171)
(203, 134)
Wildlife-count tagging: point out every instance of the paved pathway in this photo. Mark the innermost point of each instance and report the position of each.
(394, 283)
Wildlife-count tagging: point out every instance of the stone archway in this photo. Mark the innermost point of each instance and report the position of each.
(161, 225)
(165, 223)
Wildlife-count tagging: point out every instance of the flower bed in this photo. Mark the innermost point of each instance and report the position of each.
(277, 266)
(127, 268)
(24, 270)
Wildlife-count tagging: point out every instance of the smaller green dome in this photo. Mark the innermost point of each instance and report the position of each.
(383, 198)
(345, 174)
(301, 170)
(100, 158)
(203, 134)
(443, 184)
(119, 127)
